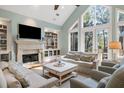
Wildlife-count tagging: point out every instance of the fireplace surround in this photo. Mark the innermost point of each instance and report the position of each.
(30, 58)
(29, 51)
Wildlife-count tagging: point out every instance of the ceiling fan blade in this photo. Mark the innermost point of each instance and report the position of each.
(56, 7)
(77, 5)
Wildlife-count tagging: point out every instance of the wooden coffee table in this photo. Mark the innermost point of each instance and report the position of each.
(62, 72)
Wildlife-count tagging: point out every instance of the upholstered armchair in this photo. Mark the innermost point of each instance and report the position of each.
(109, 66)
(100, 79)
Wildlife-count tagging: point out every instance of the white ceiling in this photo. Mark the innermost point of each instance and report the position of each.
(43, 12)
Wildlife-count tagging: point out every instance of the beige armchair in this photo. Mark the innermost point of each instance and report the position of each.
(109, 66)
(101, 80)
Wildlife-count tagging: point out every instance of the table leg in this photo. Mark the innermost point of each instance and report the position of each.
(43, 71)
(60, 78)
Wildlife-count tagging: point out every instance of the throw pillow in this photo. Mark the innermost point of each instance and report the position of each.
(3, 83)
(102, 83)
(12, 82)
(72, 56)
(116, 66)
(14, 68)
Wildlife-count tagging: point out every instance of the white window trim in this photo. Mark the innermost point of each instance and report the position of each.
(69, 34)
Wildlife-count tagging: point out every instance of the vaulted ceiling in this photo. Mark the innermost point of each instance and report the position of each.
(43, 12)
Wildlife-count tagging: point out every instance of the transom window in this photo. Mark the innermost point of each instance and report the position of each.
(96, 15)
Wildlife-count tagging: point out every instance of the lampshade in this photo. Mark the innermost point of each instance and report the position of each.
(115, 45)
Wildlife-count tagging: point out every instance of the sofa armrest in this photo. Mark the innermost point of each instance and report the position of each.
(110, 64)
(46, 83)
(74, 83)
(51, 82)
(98, 75)
(106, 69)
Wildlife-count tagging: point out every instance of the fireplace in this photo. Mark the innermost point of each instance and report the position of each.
(30, 58)
(29, 51)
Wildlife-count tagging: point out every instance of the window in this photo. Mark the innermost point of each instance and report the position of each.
(120, 29)
(96, 15)
(88, 41)
(88, 18)
(102, 15)
(121, 16)
(102, 41)
(73, 38)
(74, 41)
(96, 29)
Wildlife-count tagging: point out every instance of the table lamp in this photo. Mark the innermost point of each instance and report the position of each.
(114, 45)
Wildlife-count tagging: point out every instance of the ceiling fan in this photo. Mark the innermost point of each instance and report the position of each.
(57, 6)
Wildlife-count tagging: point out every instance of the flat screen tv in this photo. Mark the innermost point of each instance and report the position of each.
(29, 32)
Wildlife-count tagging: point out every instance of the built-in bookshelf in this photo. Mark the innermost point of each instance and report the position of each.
(51, 40)
(51, 44)
(51, 52)
(3, 37)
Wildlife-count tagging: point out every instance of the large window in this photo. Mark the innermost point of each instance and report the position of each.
(73, 38)
(88, 18)
(98, 19)
(96, 15)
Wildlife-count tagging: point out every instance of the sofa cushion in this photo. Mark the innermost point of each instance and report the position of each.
(12, 82)
(87, 58)
(73, 56)
(102, 83)
(3, 65)
(3, 83)
(35, 81)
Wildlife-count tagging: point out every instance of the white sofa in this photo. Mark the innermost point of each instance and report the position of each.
(83, 66)
(26, 77)
(33, 79)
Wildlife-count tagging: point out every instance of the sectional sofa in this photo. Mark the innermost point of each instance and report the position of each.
(86, 61)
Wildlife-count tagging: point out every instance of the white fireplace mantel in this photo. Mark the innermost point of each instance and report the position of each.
(28, 41)
(25, 46)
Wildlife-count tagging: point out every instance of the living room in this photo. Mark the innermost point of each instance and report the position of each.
(65, 46)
